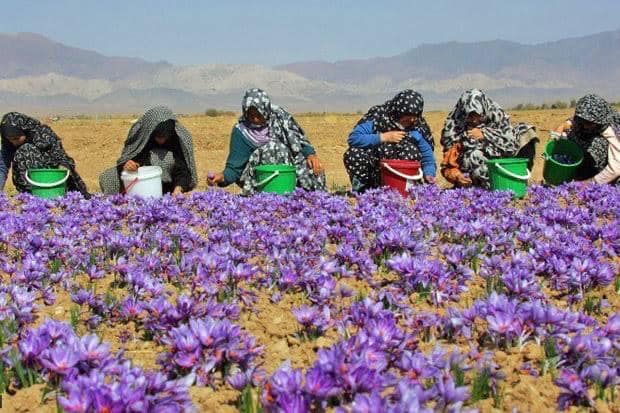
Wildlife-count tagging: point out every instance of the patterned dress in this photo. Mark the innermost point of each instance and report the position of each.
(500, 139)
(283, 147)
(362, 164)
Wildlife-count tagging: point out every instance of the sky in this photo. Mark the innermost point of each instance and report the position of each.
(274, 32)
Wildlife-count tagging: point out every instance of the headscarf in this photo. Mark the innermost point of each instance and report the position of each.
(280, 126)
(16, 124)
(498, 133)
(9, 131)
(406, 102)
(45, 140)
(140, 133)
(595, 109)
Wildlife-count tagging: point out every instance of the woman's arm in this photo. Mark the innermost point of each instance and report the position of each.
(612, 170)
(181, 175)
(428, 157)
(6, 158)
(363, 136)
(239, 153)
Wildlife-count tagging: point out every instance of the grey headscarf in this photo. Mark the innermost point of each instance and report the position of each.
(137, 139)
(595, 109)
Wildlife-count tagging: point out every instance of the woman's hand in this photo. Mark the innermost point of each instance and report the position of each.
(564, 127)
(131, 166)
(463, 180)
(315, 164)
(392, 137)
(177, 191)
(429, 179)
(475, 133)
(215, 179)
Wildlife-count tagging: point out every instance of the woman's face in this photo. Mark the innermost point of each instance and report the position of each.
(408, 121)
(254, 117)
(587, 125)
(160, 139)
(474, 120)
(16, 141)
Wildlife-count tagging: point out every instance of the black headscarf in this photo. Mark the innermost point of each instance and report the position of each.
(406, 102)
(9, 131)
(45, 140)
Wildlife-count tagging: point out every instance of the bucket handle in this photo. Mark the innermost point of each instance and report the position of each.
(269, 178)
(402, 175)
(513, 175)
(47, 185)
(131, 185)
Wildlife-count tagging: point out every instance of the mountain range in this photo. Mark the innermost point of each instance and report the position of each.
(39, 74)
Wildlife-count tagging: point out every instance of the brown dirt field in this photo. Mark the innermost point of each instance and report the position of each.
(95, 144)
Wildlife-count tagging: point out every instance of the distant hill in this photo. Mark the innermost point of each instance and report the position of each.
(37, 73)
(30, 54)
(577, 62)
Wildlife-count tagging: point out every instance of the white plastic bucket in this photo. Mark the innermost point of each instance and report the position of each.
(145, 183)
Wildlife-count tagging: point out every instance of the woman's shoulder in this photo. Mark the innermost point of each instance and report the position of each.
(365, 124)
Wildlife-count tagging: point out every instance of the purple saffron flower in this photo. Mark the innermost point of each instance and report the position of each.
(320, 384)
(574, 390)
(60, 360)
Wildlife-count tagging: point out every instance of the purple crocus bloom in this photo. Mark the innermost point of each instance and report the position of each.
(131, 308)
(76, 401)
(238, 381)
(184, 339)
(368, 403)
(449, 395)
(501, 323)
(60, 360)
(32, 345)
(93, 349)
(82, 296)
(574, 390)
(305, 315)
(208, 331)
(320, 385)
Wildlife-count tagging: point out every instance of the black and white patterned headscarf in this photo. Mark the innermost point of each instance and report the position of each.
(595, 109)
(406, 102)
(496, 128)
(40, 135)
(48, 147)
(282, 126)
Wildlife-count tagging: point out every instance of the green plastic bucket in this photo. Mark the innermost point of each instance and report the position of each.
(554, 172)
(277, 179)
(47, 183)
(509, 174)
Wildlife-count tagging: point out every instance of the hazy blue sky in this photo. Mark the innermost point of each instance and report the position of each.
(271, 32)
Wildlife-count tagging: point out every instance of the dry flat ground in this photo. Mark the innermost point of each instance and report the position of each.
(95, 144)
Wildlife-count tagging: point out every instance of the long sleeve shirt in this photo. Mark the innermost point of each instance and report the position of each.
(239, 152)
(612, 171)
(364, 135)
